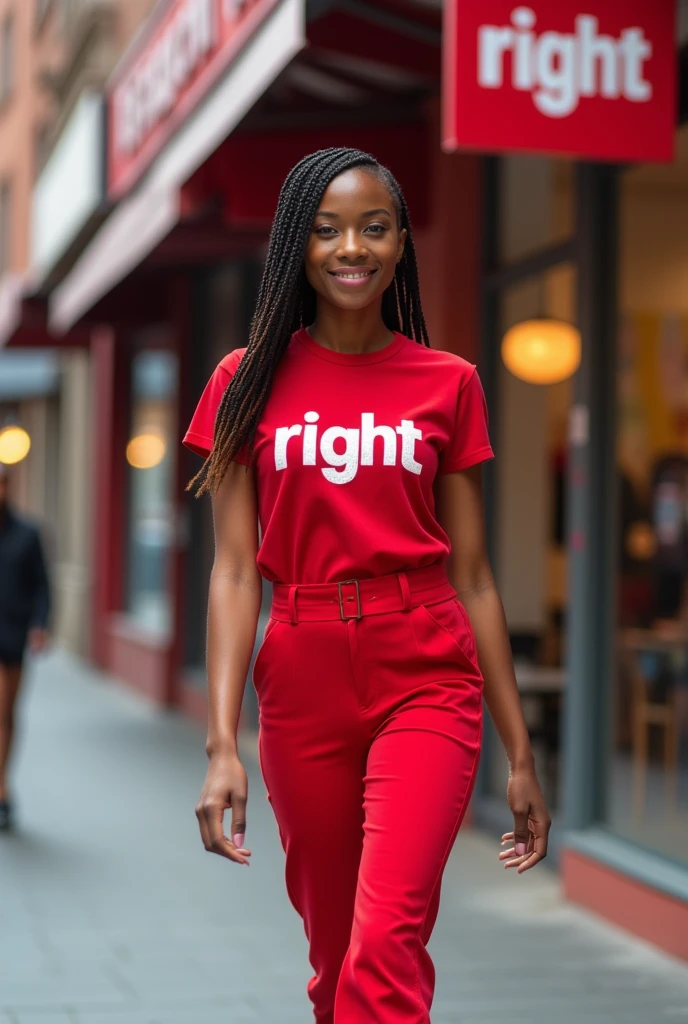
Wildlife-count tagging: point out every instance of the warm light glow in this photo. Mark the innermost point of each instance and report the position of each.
(15, 445)
(640, 541)
(542, 351)
(145, 451)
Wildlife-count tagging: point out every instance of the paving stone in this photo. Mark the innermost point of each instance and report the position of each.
(202, 1013)
(44, 1018)
(48, 990)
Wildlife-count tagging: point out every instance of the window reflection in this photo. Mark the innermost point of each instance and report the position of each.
(648, 788)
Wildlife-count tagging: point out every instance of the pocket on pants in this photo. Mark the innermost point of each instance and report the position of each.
(271, 628)
(450, 617)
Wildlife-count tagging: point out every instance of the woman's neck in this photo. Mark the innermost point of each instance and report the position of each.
(350, 331)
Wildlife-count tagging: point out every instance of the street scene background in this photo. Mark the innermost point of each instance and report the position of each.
(142, 147)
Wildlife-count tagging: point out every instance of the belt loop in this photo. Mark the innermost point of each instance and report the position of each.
(405, 590)
(293, 617)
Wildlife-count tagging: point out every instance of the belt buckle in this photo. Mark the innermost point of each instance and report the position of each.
(358, 614)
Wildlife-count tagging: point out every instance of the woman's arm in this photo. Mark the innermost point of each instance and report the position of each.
(234, 602)
(459, 509)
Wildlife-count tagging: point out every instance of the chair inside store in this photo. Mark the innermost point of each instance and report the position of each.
(652, 675)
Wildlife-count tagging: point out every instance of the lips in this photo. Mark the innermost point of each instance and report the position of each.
(352, 278)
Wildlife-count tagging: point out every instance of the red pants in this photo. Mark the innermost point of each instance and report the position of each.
(370, 732)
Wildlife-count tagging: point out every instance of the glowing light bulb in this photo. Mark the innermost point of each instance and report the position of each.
(15, 445)
(542, 351)
(145, 451)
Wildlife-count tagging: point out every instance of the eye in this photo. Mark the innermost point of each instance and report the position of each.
(376, 229)
(325, 229)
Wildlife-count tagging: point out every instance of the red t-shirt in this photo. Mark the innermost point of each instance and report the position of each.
(346, 453)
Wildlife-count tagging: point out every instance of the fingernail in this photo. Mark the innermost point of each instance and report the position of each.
(520, 849)
(239, 839)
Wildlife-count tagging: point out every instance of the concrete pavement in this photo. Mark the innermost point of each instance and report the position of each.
(111, 912)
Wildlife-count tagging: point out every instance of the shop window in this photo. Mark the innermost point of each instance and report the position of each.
(530, 528)
(647, 797)
(151, 460)
(6, 59)
(536, 200)
(5, 225)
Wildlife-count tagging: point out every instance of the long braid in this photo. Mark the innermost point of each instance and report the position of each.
(286, 301)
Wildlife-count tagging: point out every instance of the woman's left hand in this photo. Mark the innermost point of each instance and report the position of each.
(531, 822)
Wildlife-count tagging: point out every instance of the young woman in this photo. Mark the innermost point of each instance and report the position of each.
(356, 447)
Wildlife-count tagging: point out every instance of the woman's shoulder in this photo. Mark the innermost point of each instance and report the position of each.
(230, 362)
(443, 360)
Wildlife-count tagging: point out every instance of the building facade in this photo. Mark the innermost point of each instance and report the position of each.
(55, 58)
(30, 385)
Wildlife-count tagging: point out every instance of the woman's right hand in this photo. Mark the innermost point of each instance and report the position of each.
(225, 786)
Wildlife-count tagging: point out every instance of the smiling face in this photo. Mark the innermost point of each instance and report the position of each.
(355, 243)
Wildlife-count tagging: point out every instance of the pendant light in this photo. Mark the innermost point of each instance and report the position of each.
(542, 350)
(146, 450)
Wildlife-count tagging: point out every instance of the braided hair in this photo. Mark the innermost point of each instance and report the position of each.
(287, 301)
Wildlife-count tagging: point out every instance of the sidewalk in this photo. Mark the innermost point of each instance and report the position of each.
(111, 912)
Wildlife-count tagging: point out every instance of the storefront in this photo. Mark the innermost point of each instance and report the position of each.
(587, 500)
(634, 808)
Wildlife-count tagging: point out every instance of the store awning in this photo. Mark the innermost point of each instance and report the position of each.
(143, 219)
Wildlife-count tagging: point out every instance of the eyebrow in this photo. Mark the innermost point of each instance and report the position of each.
(368, 213)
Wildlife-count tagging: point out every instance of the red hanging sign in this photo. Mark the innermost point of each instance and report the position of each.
(594, 78)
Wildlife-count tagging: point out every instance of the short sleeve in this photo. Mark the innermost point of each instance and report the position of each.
(470, 440)
(201, 431)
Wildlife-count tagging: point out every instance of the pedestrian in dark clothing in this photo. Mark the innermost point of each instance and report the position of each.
(24, 610)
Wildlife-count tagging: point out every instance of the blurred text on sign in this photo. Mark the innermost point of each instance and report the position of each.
(171, 67)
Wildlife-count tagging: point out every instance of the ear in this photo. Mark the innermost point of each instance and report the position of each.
(400, 245)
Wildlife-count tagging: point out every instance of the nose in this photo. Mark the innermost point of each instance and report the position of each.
(351, 246)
